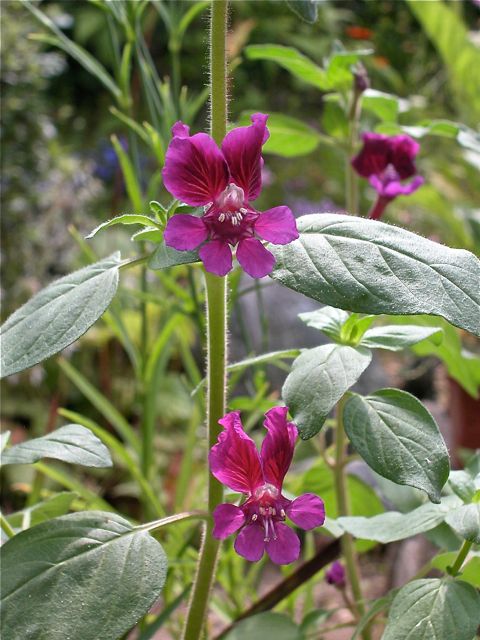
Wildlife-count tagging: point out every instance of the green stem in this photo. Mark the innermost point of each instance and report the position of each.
(6, 526)
(216, 296)
(351, 176)
(347, 542)
(459, 560)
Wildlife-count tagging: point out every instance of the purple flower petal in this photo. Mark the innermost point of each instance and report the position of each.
(250, 542)
(185, 232)
(216, 256)
(278, 446)
(180, 130)
(228, 518)
(403, 152)
(242, 148)
(286, 547)
(394, 189)
(336, 574)
(234, 460)
(254, 258)
(374, 155)
(307, 511)
(277, 225)
(195, 170)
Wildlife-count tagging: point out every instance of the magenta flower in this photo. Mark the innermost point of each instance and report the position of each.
(224, 182)
(386, 161)
(336, 574)
(260, 520)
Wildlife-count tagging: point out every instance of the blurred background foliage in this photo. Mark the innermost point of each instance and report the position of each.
(85, 125)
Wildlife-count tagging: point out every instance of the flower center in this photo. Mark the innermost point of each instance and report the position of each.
(268, 509)
(230, 205)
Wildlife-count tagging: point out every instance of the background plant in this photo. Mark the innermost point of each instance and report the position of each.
(149, 333)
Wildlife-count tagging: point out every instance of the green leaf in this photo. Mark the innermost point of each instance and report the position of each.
(396, 338)
(292, 60)
(461, 365)
(392, 525)
(375, 608)
(126, 218)
(318, 380)
(57, 315)
(164, 257)
(449, 34)
(97, 573)
(305, 9)
(334, 119)
(85, 59)
(462, 484)
(470, 570)
(150, 234)
(54, 506)
(384, 105)
(328, 320)
(371, 267)
(399, 439)
(266, 625)
(433, 609)
(72, 443)
(101, 403)
(4, 438)
(289, 137)
(465, 521)
(132, 185)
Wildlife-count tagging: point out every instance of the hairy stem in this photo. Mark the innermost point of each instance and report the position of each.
(347, 542)
(216, 291)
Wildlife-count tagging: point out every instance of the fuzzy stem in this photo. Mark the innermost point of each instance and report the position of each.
(216, 294)
(460, 559)
(347, 542)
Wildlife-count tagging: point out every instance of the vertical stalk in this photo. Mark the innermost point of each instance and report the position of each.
(216, 294)
(351, 176)
(460, 559)
(347, 542)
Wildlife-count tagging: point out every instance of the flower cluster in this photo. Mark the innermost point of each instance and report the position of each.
(260, 520)
(224, 181)
(387, 161)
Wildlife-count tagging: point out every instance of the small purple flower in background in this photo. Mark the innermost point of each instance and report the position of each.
(224, 182)
(336, 575)
(260, 520)
(387, 161)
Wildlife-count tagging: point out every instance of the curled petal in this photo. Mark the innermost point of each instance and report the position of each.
(227, 518)
(195, 170)
(185, 232)
(278, 446)
(250, 542)
(285, 548)
(403, 152)
(374, 155)
(242, 148)
(216, 256)
(234, 460)
(394, 189)
(181, 130)
(254, 258)
(307, 511)
(277, 225)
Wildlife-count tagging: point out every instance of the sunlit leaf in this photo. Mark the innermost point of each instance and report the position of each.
(57, 315)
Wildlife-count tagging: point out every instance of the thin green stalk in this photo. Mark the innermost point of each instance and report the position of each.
(351, 176)
(460, 559)
(216, 296)
(6, 528)
(347, 542)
